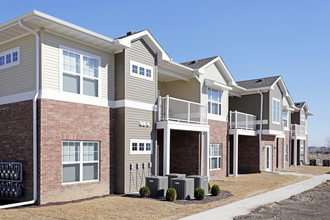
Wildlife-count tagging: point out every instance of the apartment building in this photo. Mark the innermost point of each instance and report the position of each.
(88, 115)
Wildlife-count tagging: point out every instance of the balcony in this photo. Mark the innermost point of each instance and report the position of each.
(298, 130)
(240, 120)
(174, 109)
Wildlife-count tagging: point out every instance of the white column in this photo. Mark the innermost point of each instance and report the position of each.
(295, 152)
(235, 155)
(166, 150)
(207, 153)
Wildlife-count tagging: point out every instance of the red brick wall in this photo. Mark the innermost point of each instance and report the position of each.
(218, 135)
(287, 143)
(70, 121)
(16, 141)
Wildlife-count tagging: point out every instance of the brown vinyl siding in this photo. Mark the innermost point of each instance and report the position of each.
(120, 76)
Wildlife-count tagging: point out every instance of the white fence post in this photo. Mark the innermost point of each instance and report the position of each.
(167, 106)
(159, 108)
(188, 112)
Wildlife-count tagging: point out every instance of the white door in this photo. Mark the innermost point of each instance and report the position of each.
(268, 158)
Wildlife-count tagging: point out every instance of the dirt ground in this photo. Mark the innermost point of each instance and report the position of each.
(118, 207)
(311, 170)
(311, 204)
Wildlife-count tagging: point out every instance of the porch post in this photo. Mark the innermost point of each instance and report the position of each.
(295, 151)
(166, 151)
(235, 154)
(206, 154)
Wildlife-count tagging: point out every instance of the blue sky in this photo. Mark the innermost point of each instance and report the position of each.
(254, 38)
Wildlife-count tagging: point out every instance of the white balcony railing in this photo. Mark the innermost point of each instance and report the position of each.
(240, 120)
(298, 130)
(181, 110)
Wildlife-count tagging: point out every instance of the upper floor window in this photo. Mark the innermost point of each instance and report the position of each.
(302, 117)
(285, 119)
(214, 101)
(80, 72)
(139, 146)
(276, 111)
(141, 70)
(9, 58)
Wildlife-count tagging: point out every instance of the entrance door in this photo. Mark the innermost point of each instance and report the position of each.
(268, 158)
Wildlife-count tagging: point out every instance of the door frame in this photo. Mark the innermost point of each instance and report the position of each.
(270, 158)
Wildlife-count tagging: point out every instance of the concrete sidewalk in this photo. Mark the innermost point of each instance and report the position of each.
(245, 206)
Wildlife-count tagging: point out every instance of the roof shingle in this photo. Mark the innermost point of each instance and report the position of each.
(196, 64)
(258, 83)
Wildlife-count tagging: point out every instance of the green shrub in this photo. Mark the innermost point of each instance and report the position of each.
(215, 190)
(209, 187)
(199, 194)
(171, 194)
(144, 191)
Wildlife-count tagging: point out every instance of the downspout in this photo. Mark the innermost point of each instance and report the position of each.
(35, 192)
(261, 122)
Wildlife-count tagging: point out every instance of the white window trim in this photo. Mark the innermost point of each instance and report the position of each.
(209, 157)
(279, 113)
(11, 51)
(81, 53)
(285, 153)
(145, 72)
(81, 162)
(287, 119)
(220, 102)
(138, 141)
(302, 118)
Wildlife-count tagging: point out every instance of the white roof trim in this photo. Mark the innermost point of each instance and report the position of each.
(145, 34)
(216, 85)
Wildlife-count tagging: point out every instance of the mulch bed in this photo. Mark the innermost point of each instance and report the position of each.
(207, 199)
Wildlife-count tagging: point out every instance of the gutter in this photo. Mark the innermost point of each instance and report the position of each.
(35, 192)
(261, 122)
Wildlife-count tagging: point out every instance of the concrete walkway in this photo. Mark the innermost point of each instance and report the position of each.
(245, 206)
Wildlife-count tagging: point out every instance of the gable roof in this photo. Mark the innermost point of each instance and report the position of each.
(301, 105)
(258, 83)
(196, 64)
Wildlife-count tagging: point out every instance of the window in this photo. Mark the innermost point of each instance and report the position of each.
(215, 156)
(302, 117)
(276, 111)
(285, 119)
(9, 58)
(214, 101)
(80, 72)
(80, 161)
(139, 146)
(141, 71)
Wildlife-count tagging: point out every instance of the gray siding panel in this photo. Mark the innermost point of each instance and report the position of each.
(120, 149)
(19, 78)
(138, 89)
(120, 76)
(133, 131)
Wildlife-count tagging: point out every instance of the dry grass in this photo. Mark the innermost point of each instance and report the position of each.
(116, 207)
(312, 170)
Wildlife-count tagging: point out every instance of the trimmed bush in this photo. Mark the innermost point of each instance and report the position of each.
(144, 191)
(215, 190)
(209, 187)
(171, 194)
(199, 194)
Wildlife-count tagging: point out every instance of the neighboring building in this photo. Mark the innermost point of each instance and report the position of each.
(270, 97)
(88, 115)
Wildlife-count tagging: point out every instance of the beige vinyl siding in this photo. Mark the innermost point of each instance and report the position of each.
(138, 89)
(250, 104)
(120, 76)
(277, 94)
(213, 73)
(20, 78)
(186, 90)
(134, 131)
(50, 64)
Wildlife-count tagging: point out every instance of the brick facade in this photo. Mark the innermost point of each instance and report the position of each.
(287, 143)
(60, 121)
(268, 140)
(219, 135)
(16, 141)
